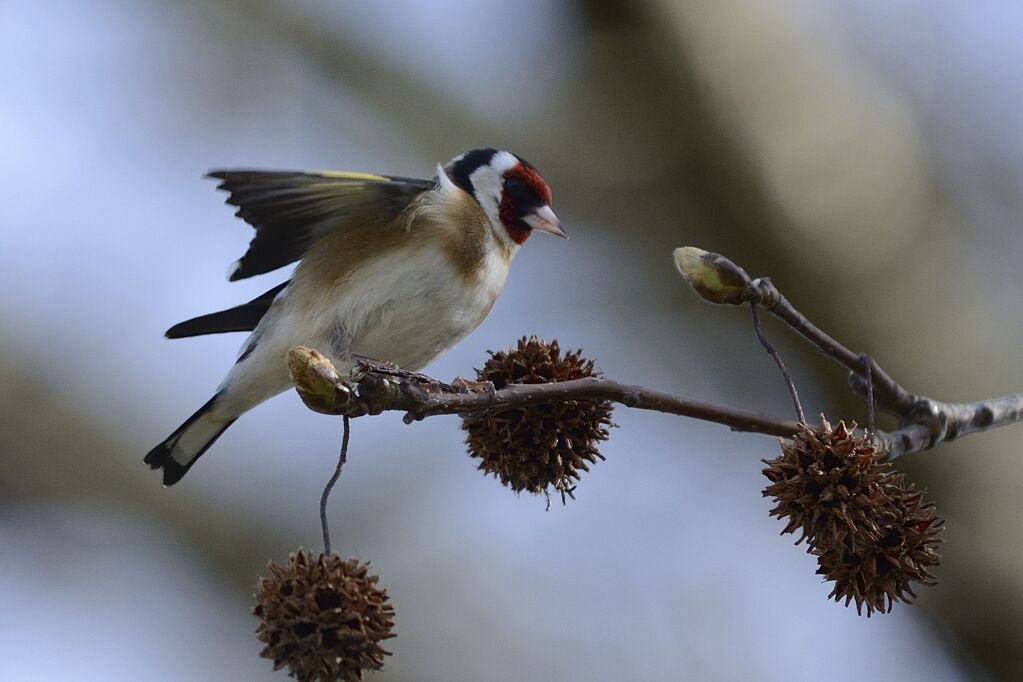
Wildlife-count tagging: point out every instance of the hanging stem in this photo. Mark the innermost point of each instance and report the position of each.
(330, 485)
(781, 365)
(868, 375)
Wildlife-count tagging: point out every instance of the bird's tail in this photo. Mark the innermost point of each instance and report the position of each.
(178, 453)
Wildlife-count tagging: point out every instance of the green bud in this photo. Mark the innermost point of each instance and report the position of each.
(317, 381)
(712, 276)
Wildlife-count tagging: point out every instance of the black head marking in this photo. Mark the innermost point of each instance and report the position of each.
(467, 164)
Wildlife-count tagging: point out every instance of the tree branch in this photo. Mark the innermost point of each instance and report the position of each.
(719, 280)
(925, 422)
(323, 390)
(937, 422)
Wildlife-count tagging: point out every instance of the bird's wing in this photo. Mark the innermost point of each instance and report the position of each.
(241, 318)
(291, 210)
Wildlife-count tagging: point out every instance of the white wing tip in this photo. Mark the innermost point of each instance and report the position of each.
(444, 180)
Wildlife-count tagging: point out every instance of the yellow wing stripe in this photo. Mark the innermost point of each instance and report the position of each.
(349, 175)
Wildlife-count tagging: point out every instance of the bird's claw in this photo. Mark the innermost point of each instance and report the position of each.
(370, 366)
(460, 385)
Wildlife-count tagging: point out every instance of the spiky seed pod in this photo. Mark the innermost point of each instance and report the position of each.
(872, 533)
(537, 447)
(878, 574)
(323, 617)
(827, 482)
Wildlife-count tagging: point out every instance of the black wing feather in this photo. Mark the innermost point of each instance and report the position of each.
(241, 318)
(291, 210)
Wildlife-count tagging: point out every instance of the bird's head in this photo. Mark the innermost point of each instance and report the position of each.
(511, 192)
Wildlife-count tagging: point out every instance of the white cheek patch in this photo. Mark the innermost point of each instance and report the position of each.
(488, 183)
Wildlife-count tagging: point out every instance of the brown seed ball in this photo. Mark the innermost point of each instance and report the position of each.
(876, 574)
(542, 446)
(323, 617)
(872, 533)
(826, 482)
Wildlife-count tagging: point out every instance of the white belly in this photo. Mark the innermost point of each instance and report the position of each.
(410, 310)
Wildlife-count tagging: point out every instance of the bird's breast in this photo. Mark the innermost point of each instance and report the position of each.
(411, 304)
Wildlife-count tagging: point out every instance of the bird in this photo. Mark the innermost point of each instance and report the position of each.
(390, 268)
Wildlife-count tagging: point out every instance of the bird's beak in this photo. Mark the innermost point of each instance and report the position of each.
(543, 219)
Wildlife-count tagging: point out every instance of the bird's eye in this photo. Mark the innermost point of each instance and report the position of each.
(514, 186)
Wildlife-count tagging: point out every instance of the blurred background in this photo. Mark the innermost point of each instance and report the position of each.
(866, 155)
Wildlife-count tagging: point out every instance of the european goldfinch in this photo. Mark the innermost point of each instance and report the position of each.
(394, 269)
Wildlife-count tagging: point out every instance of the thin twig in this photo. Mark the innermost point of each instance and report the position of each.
(777, 359)
(890, 395)
(420, 403)
(925, 422)
(868, 377)
(322, 390)
(342, 458)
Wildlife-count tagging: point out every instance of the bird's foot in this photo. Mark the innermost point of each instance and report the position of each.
(369, 365)
(461, 385)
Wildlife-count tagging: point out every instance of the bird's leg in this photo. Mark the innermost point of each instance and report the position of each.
(341, 344)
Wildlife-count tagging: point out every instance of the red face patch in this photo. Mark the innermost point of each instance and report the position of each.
(533, 180)
(524, 191)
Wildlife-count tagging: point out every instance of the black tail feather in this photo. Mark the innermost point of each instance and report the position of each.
(241, 318)
(161, 457)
